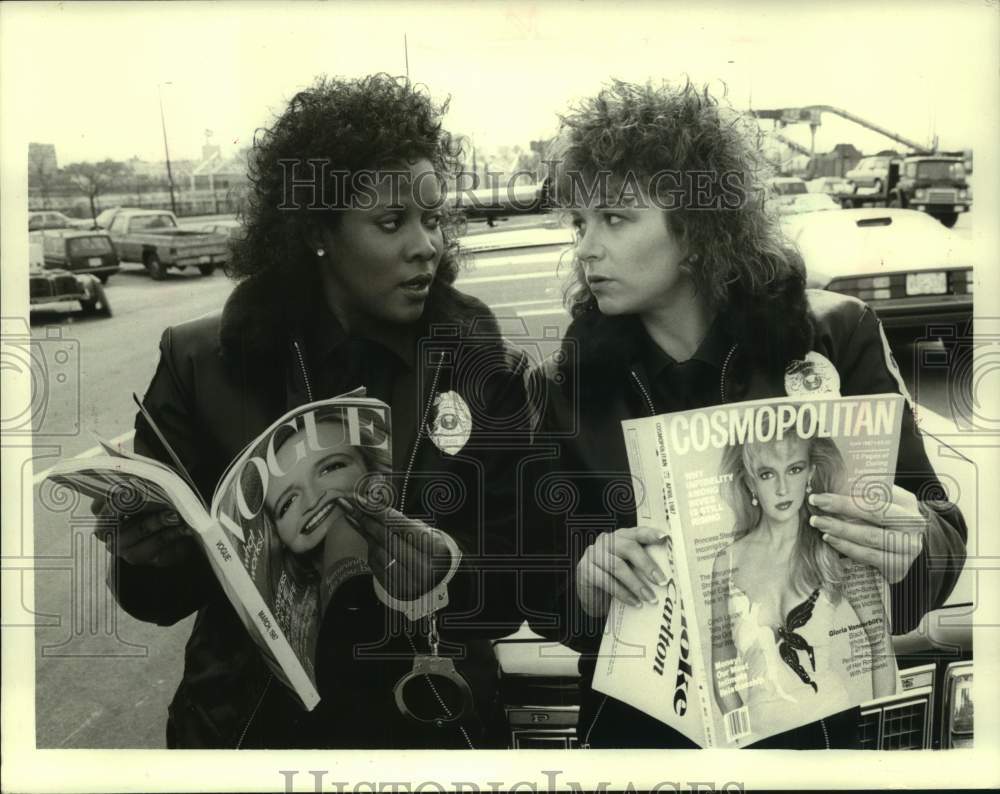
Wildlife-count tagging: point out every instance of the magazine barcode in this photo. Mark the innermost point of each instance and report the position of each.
(737, 724)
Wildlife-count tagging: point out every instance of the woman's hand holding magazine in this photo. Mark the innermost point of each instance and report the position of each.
(155, 536)
(611, 565)
(887, 536)
(407, 557)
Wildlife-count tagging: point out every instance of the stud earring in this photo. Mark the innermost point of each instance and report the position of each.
(320, 252)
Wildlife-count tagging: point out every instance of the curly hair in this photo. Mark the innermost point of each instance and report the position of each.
(638, 132)
(348, 125)
(814, 563)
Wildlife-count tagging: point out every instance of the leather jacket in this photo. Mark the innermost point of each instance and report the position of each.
(584, 486)
(223, 379)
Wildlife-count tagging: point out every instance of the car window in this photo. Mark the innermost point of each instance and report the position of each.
(152, 222)
(98, 244)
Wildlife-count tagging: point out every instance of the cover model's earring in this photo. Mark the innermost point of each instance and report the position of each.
(809, 487)
(753, 499)
(320, 252)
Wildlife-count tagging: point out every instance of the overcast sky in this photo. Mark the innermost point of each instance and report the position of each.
(91, 70)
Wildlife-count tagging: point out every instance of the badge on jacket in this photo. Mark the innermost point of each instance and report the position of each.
(451, 422)
(814, 376)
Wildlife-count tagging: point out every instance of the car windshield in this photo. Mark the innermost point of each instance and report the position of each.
(98, 244)
(940, 169)
(152, 222)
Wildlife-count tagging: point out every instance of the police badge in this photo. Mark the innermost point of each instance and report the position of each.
(450, 423)
(814, 376)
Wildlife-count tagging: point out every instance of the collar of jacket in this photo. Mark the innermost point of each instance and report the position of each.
(600, 352)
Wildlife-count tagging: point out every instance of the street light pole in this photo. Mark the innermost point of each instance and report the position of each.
(166, 150)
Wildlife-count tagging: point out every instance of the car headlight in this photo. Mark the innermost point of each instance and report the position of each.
(958, 712)
(963, 194)
(920, 193)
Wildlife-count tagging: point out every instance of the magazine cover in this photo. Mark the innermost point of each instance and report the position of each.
(274, 534)
(761, 626)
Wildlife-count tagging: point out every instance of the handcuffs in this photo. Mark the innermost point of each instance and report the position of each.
(430, 665)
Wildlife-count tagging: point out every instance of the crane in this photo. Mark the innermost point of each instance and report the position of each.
(812, 114)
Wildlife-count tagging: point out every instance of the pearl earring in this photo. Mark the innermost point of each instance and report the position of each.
(753, 499)
(320, 252)
(809, 487)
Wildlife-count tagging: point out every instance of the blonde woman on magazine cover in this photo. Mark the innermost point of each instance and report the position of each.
(780, 607)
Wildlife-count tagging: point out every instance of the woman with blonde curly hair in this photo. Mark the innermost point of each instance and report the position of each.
(685, 295)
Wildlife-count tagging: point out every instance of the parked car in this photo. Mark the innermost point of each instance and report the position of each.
(933, 707)
(807, 202)
(154, 238)
(871, 173)
(104, 217)
(906, 265)
(49, 219)
(782, 190)
(831, 185)
(53, 286)
(80, 252)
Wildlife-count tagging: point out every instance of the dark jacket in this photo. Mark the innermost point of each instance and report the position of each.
(585, 489)
(223, 379)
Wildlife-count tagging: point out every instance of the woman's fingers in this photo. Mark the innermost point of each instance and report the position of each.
(606, 557)
(903, 505)
(136, 529)
(595, 578)
(893, 566)
(888, 537)
(165, 548)
(156, 538)
(635, 552)
(409, 558)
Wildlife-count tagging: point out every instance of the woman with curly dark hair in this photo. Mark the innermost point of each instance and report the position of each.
(685, 295)
(345, 281)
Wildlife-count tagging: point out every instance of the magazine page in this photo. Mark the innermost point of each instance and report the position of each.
(784, 631)
(647, 657)
(277, 509)
(129, 483)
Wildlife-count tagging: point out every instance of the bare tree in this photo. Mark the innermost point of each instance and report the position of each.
(40, 172)
(93, 179)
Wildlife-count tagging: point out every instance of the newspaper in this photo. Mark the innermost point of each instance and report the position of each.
(761, 626)
(276, 532)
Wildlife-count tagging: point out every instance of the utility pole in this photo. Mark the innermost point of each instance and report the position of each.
(406, 57)
(166, 150)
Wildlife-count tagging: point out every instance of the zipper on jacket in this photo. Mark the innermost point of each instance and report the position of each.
(420, 433)
(585, 745)
(302, 368)
(725, 366)
(645, 393)
(253, 714)
(826, 736)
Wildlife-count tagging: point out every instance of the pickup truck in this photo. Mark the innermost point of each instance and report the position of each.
(154, 238)
(932, 183)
